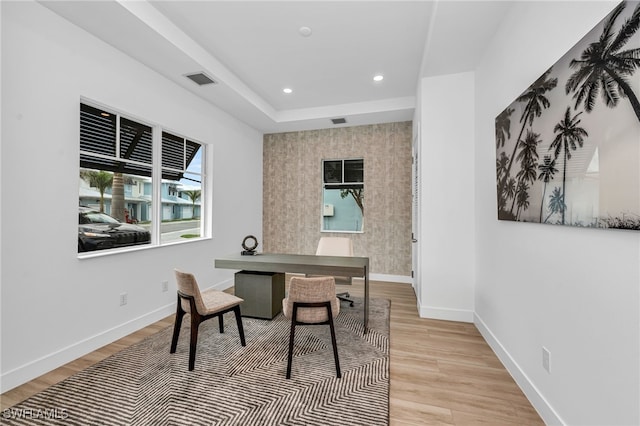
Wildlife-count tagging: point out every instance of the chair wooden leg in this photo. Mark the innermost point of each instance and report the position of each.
(291, 338)
(195, 324)
(333, 341)
(236, 310)
(176, 327)
(221, 322)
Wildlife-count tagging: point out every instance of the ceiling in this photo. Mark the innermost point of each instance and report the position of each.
(255, 49)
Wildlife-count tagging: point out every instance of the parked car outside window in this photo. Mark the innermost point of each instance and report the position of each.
(99, 231)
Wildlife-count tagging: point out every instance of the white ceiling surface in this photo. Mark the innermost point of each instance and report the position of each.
(253, 49)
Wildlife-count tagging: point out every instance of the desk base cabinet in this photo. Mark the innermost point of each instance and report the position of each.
(262, 293)
(275, 263)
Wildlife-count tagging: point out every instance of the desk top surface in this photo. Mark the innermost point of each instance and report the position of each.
(305, 263)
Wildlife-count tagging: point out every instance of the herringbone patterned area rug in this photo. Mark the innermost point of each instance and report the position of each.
(231, 384)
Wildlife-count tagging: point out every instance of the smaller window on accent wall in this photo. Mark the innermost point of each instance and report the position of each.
(343, 195)
(118, 183)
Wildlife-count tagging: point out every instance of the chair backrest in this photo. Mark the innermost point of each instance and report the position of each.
(335, 246)
(188, 285)
(311, 290)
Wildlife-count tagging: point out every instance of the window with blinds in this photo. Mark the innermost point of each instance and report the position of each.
(182, 161)
(112, 143)
(117, 173)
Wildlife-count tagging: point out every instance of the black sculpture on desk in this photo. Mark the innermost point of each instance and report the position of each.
(250, 247)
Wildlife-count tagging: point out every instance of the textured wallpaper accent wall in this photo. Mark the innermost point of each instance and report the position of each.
(292, 185)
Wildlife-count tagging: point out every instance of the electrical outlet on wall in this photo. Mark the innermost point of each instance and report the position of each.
(165, 286)
(546, 359)
(123, 299)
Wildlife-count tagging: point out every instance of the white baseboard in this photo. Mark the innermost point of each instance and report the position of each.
(222, 286)
(445, 314)
(391, 278)
(38, 367)
(546, 412)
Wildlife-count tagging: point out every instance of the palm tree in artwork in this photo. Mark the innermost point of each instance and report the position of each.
(501, 165)
(528, 158)
(510, 189)
(529, 154)
(503, 132)
(503, 127)
(523, 198)
(556, 203)
(501, 202)
(604, 66)
(523, 179)
(569, 135)
(547, 171)
(508, 192)
(536, 103)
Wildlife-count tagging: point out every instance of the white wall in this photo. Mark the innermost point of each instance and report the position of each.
(574, 291)
(447, 264)
(56, 307)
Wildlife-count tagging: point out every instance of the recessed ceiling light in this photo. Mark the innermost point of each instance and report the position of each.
(305, 31)
(287, 90)
(378, 77)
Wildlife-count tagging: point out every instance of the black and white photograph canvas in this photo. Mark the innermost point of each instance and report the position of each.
(568, 148)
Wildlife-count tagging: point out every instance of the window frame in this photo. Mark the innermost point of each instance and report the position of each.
(156, 170)
(338, 185)
(204, 195)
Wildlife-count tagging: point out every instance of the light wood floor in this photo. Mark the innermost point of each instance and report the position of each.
(442, 372)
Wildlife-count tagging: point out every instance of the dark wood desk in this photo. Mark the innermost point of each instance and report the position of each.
(303, 264)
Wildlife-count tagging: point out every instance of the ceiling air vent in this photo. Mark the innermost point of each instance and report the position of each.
(338, 120)
(200, 78)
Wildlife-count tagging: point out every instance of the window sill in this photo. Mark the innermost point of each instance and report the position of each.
(126, 250)
(340, 232)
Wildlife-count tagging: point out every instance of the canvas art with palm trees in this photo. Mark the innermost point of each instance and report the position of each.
(568, 148)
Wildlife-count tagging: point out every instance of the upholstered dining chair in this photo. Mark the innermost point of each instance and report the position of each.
(337, 246)
(311, 301)
(202, 306)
